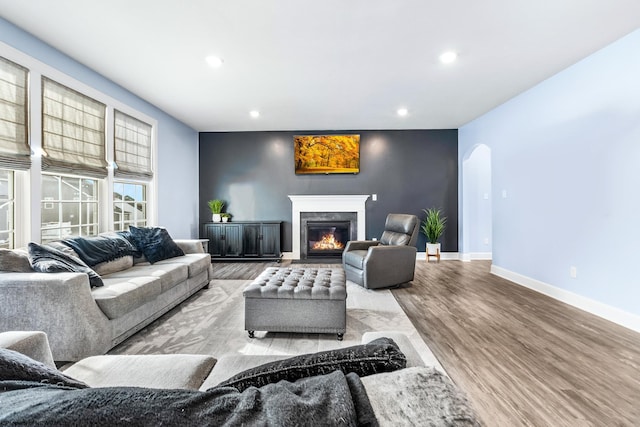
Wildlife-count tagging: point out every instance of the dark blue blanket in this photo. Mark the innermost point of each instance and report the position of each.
(97, 249)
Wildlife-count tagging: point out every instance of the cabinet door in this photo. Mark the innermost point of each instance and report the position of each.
(232, 240)
(251, 240)
(270, 243)
(215, 234)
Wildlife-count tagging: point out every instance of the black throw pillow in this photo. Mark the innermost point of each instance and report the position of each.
(47, 259)
(380, 355)
(155, 243)
(15, 366)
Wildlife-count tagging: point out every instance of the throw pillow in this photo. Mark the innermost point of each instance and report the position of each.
(381, 355)
(155, 243)
(46, 259)
(15, 366)
(15, 260)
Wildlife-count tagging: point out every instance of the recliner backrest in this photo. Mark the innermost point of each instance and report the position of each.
(400, 229)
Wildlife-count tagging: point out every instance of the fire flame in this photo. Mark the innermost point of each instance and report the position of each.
(328, 241)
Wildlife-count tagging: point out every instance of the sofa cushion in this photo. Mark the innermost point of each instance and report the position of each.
(355, 258)
(155, 243)
(381, 355)
(185, 371)
(121, 295)
(113, 266)
(196, 263)
(421, 394)
(169, 274)
(47, 259)
(16, 260)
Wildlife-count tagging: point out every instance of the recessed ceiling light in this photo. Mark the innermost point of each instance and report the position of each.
(403, 111)
(213, 61)
(448, 57)
(255, 114)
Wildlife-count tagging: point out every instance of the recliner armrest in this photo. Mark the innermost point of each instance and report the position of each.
(360, 245)
(390, 253)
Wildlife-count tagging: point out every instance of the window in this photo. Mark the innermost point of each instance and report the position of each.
(129, 205)
(14, 144)
(97, 162)
(132, 157)
(132, 147)
(69, 207)
(7, 211)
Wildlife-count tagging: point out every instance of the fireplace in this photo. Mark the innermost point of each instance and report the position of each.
(303, 205)
(327, 238)
(324, 235)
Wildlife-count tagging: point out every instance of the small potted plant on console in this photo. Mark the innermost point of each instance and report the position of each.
(226, 217)
(216, 206)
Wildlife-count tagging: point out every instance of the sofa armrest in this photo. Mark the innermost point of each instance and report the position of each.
(190, 246)
(59, 304)
(360, 245)
(30, 343)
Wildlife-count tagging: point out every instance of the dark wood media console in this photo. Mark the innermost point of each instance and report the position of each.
(243, 240)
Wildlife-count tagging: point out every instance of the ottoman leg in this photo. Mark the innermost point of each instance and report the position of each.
(340, 336)
(251, 334)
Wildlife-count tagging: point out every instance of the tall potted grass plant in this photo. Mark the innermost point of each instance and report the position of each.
(433, 226)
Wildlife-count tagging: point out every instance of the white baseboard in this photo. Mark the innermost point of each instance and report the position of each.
(613, 314)
(287, 255)
(476, 256)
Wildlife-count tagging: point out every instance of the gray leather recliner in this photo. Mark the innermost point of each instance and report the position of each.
(387, 262)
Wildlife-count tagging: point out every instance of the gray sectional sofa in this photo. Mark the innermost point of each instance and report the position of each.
(82, 321)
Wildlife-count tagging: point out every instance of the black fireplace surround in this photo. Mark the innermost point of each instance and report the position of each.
(323, 235)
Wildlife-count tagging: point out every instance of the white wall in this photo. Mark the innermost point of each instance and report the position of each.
(567, 154)
(177, 143)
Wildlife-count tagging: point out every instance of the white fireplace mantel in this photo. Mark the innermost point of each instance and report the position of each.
(326, 203)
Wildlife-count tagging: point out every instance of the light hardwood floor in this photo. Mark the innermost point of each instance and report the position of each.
(524, 359)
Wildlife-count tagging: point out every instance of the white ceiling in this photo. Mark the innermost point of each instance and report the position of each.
(326, 64)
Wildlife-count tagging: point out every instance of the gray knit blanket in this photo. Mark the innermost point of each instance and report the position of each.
(327, 400)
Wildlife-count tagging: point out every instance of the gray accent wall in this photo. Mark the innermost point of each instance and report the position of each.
(409, 170)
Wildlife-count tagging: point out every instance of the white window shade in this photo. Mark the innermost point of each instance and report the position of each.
(73, 131)
(14, 143)
(132, 147)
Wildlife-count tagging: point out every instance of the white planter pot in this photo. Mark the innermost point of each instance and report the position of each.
(433, 249)
(225, 219)
(216, 217)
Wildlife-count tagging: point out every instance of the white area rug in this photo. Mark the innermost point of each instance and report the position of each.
(212, 322)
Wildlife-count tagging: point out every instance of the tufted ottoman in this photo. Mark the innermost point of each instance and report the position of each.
(312, 300)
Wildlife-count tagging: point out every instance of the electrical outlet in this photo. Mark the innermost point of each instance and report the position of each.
(374, 197)
(573, 272)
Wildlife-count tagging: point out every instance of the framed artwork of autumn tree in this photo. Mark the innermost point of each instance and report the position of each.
(325, 154)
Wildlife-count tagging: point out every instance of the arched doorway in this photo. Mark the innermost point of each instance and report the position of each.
(476, 233)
